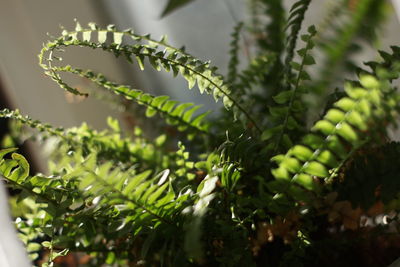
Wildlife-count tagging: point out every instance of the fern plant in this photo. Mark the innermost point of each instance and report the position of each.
(262, 183)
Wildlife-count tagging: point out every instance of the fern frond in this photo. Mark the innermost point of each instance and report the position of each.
(333, 139)
(248, 85)
(178, 114)
(294, 22)
(348, 31)
(90, 199)
(272, 40)
(274, 29)
(159, 54)
(289, 114)
(243, 151)
(108, 144)
(341, 39)
(254, 74)
(143, 196)
(35, 124)
(334, 11)
(233, 52)
(15, 171)
(389, 63)
(255, 10)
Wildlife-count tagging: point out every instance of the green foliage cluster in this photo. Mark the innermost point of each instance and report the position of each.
(261, 183)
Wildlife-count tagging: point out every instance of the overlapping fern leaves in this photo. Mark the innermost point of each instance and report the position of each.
(110, 142)
(102, 200)
(158, 53)
(289, 112)
(334, 139)
(178, 114)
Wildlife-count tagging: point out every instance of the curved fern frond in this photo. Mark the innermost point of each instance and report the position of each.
(178, 114)
(14, 169)
(159, 54)
(333, 139)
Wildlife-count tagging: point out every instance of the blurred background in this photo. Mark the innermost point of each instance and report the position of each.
(204, 27)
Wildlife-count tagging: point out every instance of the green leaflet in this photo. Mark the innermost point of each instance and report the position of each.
(283, 97)
(316, 169)
(335, 115)
(306, 181)
(102, 36)
(347, 132)
(325, 127)
(327, 158)
(6, 151)
(22, 171)
(134, 181)
(15, 169)
(301, 152)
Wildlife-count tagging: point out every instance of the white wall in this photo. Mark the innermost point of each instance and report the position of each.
(12, 252)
